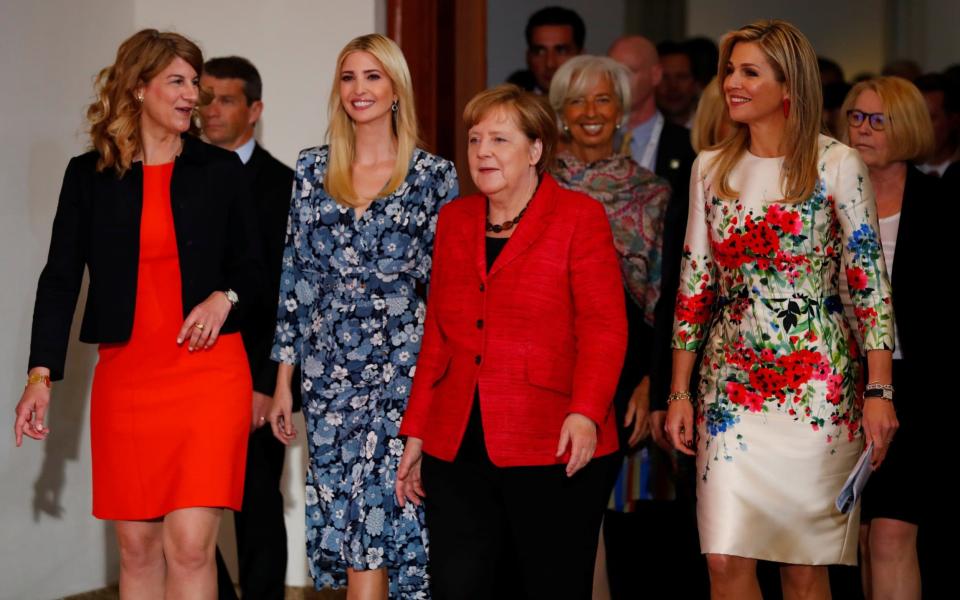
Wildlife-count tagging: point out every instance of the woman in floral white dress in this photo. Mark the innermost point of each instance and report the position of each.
(777, 213)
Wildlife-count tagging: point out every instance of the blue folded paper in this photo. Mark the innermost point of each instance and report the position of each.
(855, 483)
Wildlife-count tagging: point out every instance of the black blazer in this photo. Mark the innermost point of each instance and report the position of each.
(921, 243)
(272, 183)
(97, 226)
(675, 158)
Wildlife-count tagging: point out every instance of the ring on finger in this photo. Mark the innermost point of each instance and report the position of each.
(199, 326)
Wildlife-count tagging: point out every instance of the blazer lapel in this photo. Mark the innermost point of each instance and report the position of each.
(532, 224)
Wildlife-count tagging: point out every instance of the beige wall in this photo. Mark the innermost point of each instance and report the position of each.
(50, 546)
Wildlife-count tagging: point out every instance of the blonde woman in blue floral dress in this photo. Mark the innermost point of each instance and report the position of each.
(777, 214)
(359, 244)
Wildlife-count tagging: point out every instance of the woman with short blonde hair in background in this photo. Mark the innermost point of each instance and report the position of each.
(776, 211)
(359, 246)
(711, 124)
(889, 125)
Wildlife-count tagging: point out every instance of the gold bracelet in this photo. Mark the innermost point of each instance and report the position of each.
(674, 396)
(37, 378)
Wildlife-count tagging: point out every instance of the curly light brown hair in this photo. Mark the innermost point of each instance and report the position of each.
(114, 116)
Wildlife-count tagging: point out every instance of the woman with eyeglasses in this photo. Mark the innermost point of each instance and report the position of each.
(777, 212)
(888, 124)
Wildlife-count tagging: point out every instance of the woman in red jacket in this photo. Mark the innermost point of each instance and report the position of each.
(525, 337)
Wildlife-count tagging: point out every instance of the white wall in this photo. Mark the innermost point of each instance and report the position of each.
(506, 20)
(50, 546)
(851, 33)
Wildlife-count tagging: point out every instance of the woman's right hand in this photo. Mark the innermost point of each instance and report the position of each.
(409, 486)
(280, 415)
(679, 425)
(32, 410)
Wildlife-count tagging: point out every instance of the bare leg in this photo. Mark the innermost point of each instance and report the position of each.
(142, 570)
(893, 555)
(733, 577)
(805, 582)
(189, 542)
(367, 585)
(601, 582)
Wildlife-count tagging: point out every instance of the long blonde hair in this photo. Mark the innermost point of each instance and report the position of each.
(711, 123)
(341, 136)
(795, 64)
(114, 116)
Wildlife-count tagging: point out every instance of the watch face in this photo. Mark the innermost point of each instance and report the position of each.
(232, 296)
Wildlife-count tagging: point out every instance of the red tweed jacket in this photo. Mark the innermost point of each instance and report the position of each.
(543, 334)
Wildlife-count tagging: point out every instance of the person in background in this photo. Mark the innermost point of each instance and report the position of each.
(228, 121)
(359, 244)
(554, 35)
(704, 54)
(590, 95)
(943, 103)
(163, 224)
(511, 440)
(775, 209)
(678, 89)
(889, 126)
(902, 67)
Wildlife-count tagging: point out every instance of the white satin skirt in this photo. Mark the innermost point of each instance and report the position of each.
(775, 500)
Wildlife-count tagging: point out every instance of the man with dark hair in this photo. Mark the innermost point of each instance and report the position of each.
(554, 36)
(678, 90)
(229, 121)
(942, 100)
(704, 54)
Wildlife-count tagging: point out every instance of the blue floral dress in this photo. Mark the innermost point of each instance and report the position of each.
(350, 315)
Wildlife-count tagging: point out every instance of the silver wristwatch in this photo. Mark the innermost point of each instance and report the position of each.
(232, 297)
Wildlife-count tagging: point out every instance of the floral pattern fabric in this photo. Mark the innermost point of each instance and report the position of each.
(759, 287)
(350, 315)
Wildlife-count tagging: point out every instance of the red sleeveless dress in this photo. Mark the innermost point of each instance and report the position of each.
(168, 426)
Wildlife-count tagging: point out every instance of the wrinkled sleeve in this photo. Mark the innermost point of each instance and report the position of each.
(299, 288)
(864, 267)
(698, 277)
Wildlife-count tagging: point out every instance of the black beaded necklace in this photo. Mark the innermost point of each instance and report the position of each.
(508, 225)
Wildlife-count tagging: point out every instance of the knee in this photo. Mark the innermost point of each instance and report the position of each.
(724, 567)
(891, 541)
(140, 552)
(189, 553)
(803, 578)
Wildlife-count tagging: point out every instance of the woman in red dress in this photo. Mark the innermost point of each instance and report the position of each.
(162, 225)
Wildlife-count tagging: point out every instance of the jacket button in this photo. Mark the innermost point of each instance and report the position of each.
(483, 287)
(476, 359)
(479, 323)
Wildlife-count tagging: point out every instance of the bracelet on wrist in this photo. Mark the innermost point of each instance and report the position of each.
(674, 396)
(37, 378)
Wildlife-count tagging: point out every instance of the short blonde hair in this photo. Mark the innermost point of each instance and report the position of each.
(579, 75)
(532, 115)
(795, 64)
(711, 123)
(909, 129)
(341, 137)
(114, 116)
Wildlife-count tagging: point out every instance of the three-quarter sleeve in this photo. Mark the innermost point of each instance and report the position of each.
(698, 276)
(298, 291)
(862, 256)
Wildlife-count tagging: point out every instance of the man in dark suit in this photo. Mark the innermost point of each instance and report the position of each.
(229, 121)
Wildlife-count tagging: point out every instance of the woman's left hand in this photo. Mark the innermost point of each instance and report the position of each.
(580, 433)
(879, 425)
(202, 326)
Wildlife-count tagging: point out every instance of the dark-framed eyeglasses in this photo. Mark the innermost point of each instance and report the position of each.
(878, 121)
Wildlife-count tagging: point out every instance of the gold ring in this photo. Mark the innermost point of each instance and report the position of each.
(198, 326)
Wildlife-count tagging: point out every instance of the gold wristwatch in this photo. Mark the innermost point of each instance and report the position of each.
(37, 378)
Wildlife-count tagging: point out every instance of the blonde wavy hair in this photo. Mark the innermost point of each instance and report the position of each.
(711, 123)
(114, 116)
(795, 64)
(341, 136)
(909, 129)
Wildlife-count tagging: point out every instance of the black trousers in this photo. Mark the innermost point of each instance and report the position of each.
(261, 533)
(518, 532)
